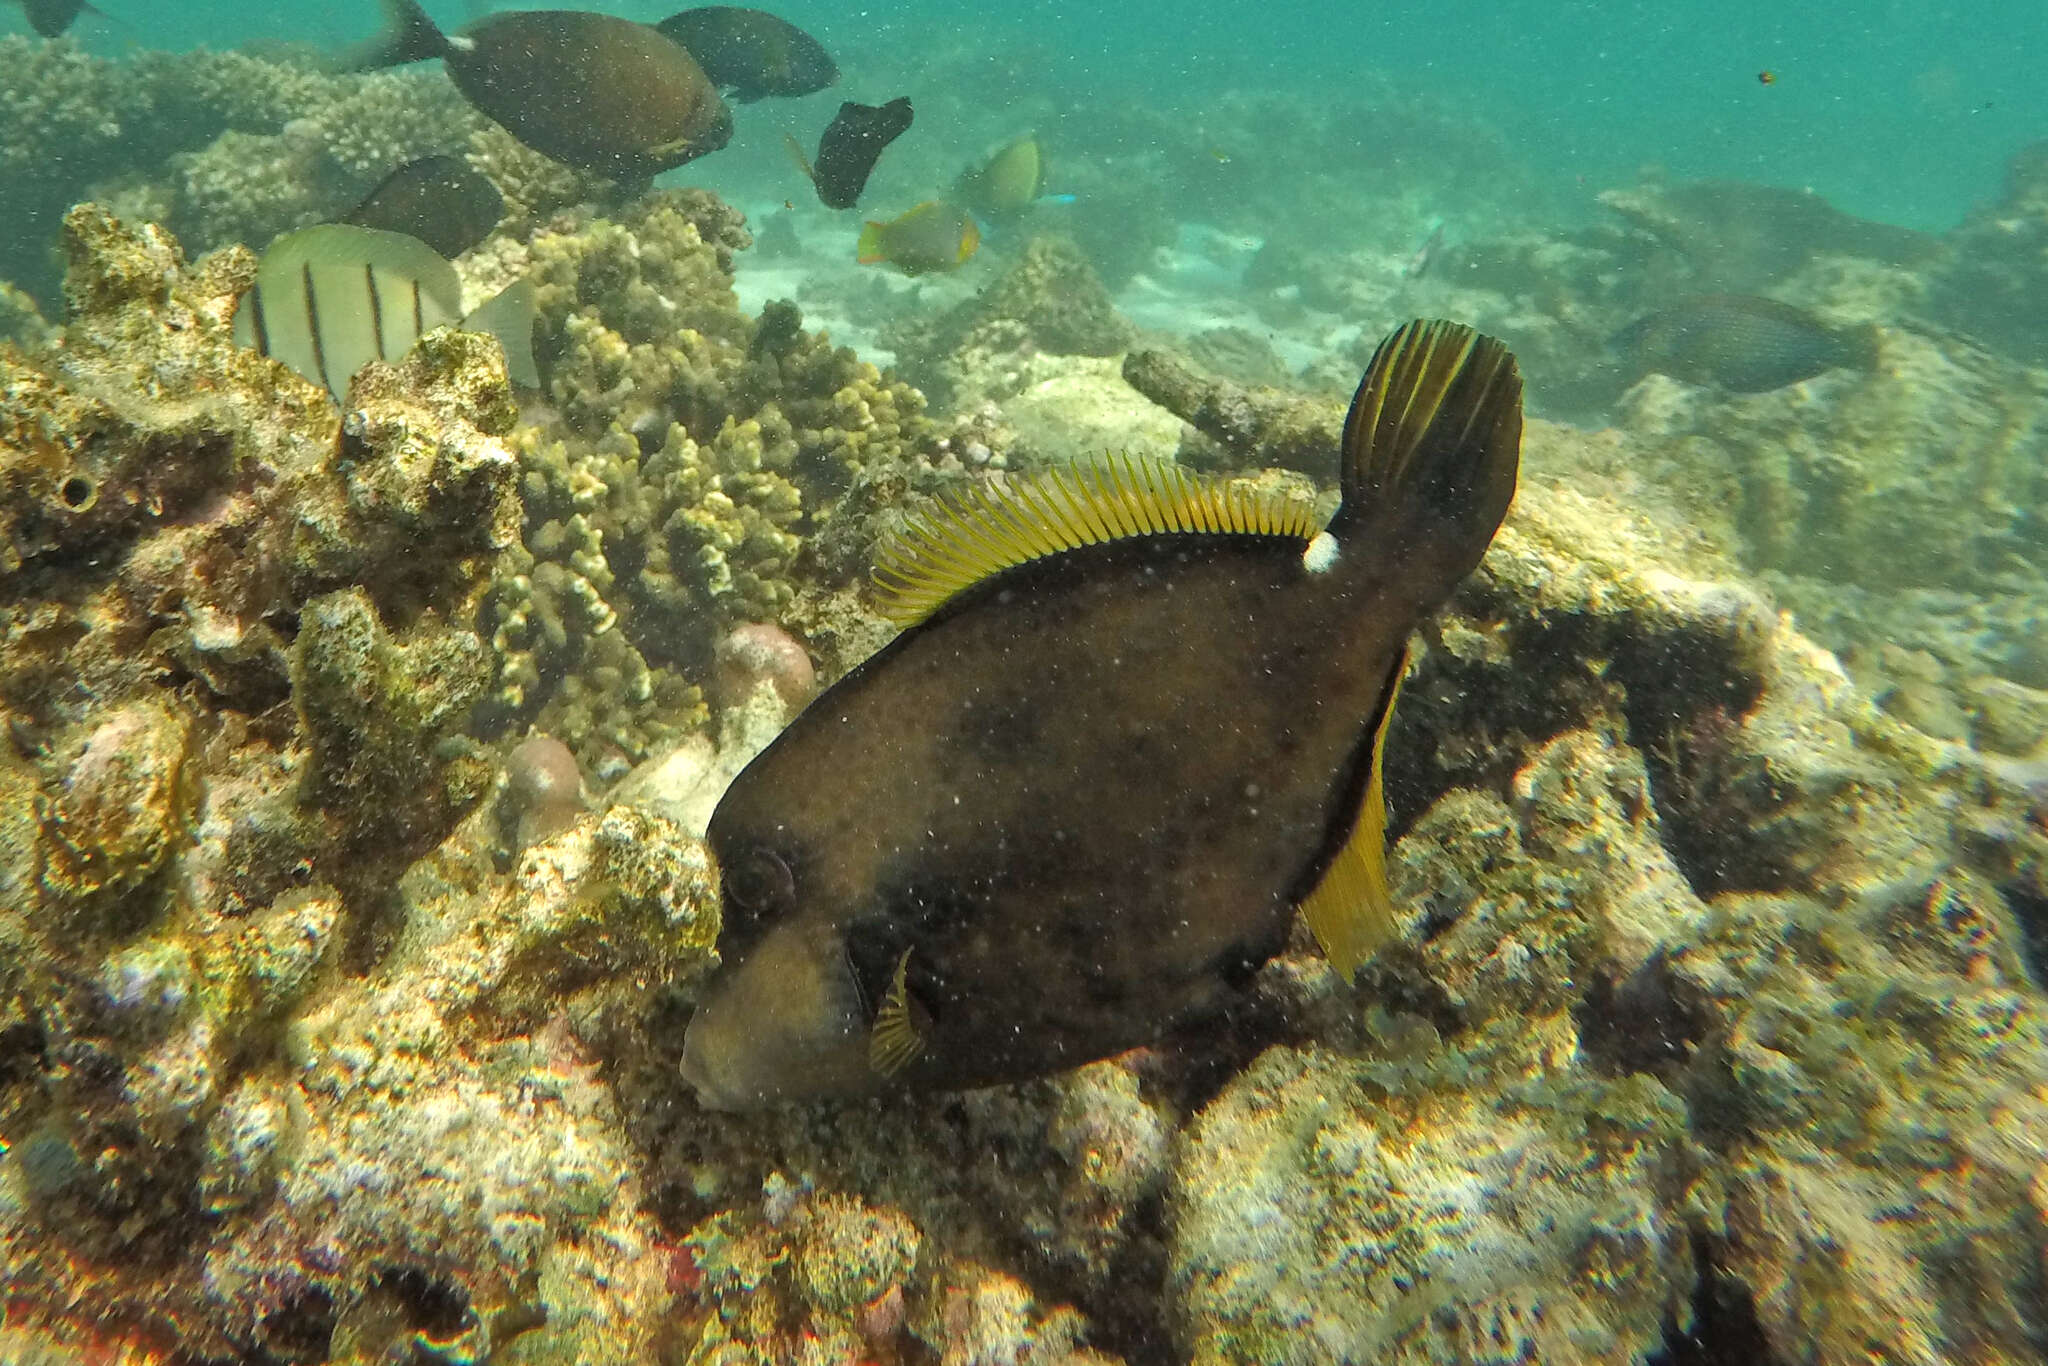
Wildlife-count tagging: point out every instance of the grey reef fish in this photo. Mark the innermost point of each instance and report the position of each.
(1134, 723)
(1741, 343)
(438, 199)
(330, 299)
(605, 94)
(849, 148)
(750, 53)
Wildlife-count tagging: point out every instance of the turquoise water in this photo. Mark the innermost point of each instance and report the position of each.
(1899, 111)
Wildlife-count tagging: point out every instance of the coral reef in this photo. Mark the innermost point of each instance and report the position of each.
(352, 906)
(263, 963)
(231, 147)
(690, 452)
(1048, 301)
(1733, 237)
(1674, 887)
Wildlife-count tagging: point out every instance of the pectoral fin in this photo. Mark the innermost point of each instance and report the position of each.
(899, 1030)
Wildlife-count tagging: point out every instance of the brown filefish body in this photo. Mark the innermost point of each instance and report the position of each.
(1740, 343)
(850, 146)
(438, 199)
(1134, 726)
(605, 94)
(752, 53)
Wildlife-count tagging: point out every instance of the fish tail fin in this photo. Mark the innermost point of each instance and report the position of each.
(1431, 448)
(508, 315)
(970, 239)
(868, 250)
(410, 37)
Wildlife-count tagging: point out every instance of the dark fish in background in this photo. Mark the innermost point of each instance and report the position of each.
(438, 199)
(329, 300)
(929, 239)
(1008, 183)
(605, 94)
(53, 18)
(849, 148)
(1135, 723)
(751, 53)
(1743, 344)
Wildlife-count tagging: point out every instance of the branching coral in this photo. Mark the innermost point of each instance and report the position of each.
(694, 452)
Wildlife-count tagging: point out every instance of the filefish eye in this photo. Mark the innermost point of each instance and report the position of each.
(758, 882)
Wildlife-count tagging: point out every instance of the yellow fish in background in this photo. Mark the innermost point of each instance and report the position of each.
(1008, 183)
(1133, 723)
(931, 238)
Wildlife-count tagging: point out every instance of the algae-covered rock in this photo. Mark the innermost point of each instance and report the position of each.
(376, 710)
(1320, 1219)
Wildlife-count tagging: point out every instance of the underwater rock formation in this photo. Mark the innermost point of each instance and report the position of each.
(1253, 425)
(229, 147)
(1920, 473)
(1655, 1014)
(235, 687)
(1048, 301)
(1999, 264)
(1735, 237)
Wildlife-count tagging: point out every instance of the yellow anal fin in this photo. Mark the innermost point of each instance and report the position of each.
(897, 1037)
(1350, 909)
(965, 540)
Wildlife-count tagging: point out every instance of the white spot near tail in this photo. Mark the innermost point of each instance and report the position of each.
(460, 43)
(1321, 553)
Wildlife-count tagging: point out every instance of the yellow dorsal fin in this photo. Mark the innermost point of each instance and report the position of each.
(986, 530)
(896, 1037)
(1350, 909)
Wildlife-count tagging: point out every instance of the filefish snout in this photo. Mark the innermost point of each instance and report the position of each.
(785, 1024)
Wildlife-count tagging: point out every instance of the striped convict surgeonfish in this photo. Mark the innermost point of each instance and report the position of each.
(330, 299)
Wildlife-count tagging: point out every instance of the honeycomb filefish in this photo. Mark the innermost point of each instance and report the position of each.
(1133, 724)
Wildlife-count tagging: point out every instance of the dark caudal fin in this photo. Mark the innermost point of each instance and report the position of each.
(409, 36)
(1433, 444)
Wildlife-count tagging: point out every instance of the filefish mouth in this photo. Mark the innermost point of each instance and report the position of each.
(781, 1024)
